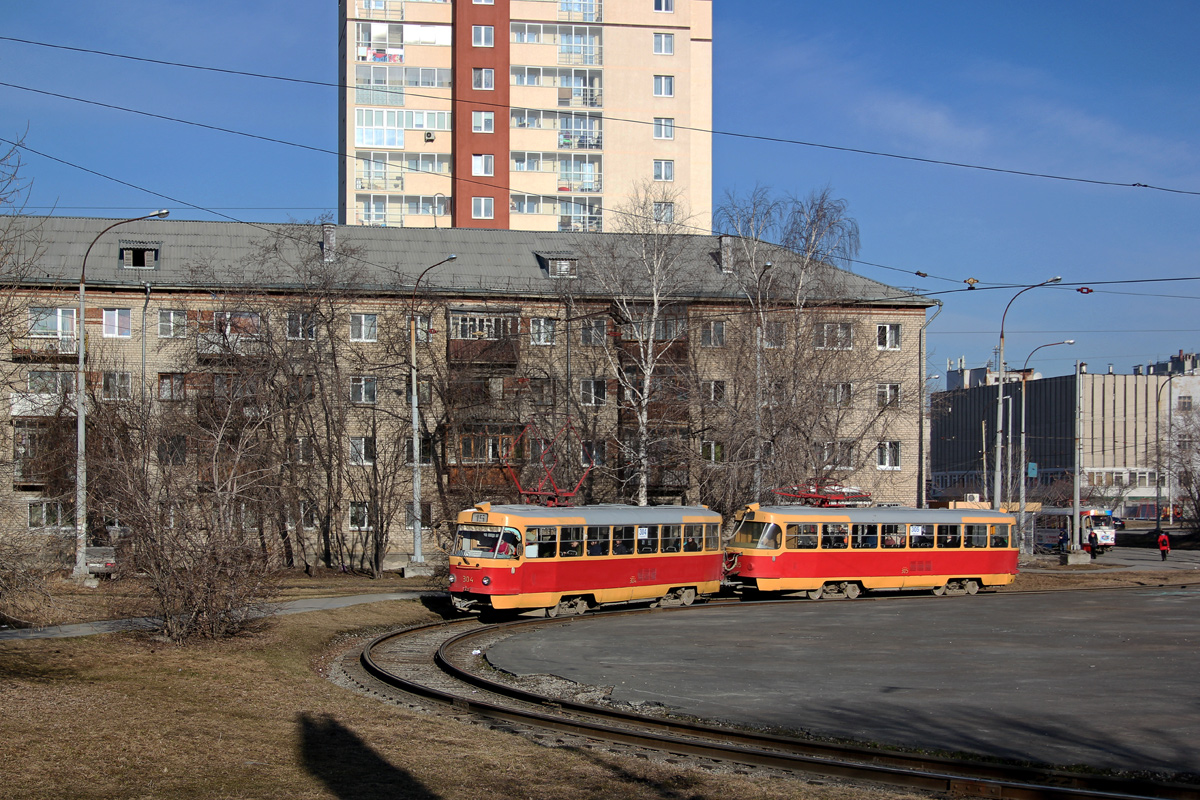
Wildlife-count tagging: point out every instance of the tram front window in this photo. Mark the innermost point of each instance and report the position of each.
(757, 535)
(478, 541)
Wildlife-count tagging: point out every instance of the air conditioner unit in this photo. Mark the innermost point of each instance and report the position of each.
(430, 136)
(971, 497)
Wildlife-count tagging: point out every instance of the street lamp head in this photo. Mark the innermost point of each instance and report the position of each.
(451, 257)
(1055, 279)
(162, 213)
(1069, 341)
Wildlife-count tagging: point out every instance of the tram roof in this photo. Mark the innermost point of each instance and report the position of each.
(890, 514)
(607, 514)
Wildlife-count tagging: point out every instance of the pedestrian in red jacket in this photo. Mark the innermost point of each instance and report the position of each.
(1164, 544)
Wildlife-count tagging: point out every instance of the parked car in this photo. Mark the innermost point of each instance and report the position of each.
(1118, 523)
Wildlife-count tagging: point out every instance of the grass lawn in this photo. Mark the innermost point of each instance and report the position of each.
(126, 716)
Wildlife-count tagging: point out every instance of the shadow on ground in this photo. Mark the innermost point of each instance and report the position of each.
(349, 768)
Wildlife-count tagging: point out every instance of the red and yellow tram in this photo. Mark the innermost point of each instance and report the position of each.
(788, 548)
(567, 560)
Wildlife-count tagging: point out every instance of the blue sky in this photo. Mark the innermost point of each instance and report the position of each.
(1098, 90)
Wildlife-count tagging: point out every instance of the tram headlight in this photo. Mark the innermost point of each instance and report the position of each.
(487, 580)
(452, 577)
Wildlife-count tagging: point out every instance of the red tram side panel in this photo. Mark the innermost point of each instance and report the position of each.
(787, 548)
(567, 560)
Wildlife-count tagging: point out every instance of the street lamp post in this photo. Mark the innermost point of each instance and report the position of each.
(80, 571)
(1000, 392)
(758, 341)
(1025, 543)
(418, 555)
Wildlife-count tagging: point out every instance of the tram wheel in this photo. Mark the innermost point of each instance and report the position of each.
(939, 591)
(972, 586)
(554, 610)
(852, 591)
(687, 596)
(815, 594)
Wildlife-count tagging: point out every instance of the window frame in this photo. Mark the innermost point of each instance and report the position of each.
(664, 44)
(887, 456)
(116, 386)
(483, 122)
(664, 85)
(483, 79)
(364, 390)
(888, 395)
(822, 338)
(176, 321)
(664, 128)
(175, 384)
(483, 36)
(588, 396)
(112, 323)
(362, 451)
(483, 208)
(887, 336)
(664, 6)
(301, 326)
(360, 319)
(542, 331)
(483, 165)
(664, 170)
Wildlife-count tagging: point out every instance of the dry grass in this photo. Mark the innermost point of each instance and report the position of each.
(120, 716)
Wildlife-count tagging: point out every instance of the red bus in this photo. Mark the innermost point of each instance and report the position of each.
(844, 551)
(568, 560)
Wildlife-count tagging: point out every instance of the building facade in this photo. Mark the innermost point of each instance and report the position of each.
(540, 115)
(259, 379)
(1129, 428)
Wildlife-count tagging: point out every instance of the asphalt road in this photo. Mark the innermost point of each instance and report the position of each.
(1102, 678)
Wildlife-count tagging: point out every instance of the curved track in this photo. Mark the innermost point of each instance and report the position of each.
(442, 663)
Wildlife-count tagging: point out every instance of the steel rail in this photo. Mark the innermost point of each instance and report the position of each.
(932, 773)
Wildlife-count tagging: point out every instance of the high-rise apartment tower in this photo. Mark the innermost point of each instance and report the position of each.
(523, 114)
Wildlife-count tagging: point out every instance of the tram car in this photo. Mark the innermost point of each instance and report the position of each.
(511, 558)
(844, 551)
(1050, 523)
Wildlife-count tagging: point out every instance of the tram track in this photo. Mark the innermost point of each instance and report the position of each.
(443, 664)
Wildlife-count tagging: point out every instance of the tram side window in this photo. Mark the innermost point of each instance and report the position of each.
(712, 536)
(622, 540)
(544, 544)
(949, 536)
(692, 538)
(597, 540)
(920, 536)
(835, 535)
(1000, 535)
(866, 537)
(671, 538)
(975, 535)
(647, 539)
(803, 536)
(570, 544)
(892, 535)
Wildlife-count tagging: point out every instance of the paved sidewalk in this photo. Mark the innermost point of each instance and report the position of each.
(148, 623)
(1140, 559)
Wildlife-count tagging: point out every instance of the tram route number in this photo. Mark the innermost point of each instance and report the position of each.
(918, 566)
(648, 574)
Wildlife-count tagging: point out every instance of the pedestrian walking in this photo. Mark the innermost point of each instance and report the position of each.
(1164, 544)
(1093, 543)
(1064, 542)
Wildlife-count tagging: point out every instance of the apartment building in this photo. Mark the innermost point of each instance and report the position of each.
(1126, 446)
(542, 115)
(265, 373)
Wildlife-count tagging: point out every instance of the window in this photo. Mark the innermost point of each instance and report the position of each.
(483, 326)
(302, 450)
(172, 450)
(592, 453)
(301, 325)
(592, 332)
(774, 334)
(171, 385)
(664, 212)
(484, 165)
(712, 333)
(172, 324)
(426, 516)
(667, 6)
(664, 85)
(364, 327)
(139, 255)
(116, 323)
(51, 514)
(887, 337)
(51, 323)
(887, 455)
(664, 44)
(360, 516)
(362, 389)
(1185, 402)
(888, 395)
(362, 450)
(483, 78)
(713, 452)
(839, 395)
(838, 454)
(541, 331)
(483, 121)
(483, 36)
(424, 331)
(664, 170)
(664, 127)
(426, 450)
(592, 391)
(833, 336)
(713, 391)
(483, 208)
(118, 386)
(54, 382)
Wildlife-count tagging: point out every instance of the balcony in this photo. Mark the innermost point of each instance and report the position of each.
(33, 404)
(580, 11)
(580, 55)
(580, 223)
(578, 183)
(484, 351)
(216, 344)
(44, 348)
(574, 97)
(379, 183)
(580, 140)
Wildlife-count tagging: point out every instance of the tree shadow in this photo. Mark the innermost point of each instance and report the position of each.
(349, 767)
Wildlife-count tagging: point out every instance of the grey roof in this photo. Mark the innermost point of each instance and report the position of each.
(902, 514)
(609, 514)
(382, 260)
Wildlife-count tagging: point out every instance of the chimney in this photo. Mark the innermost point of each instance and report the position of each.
(1083, 368)
(328, 242)
(1110, 371)
(1137, 369)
